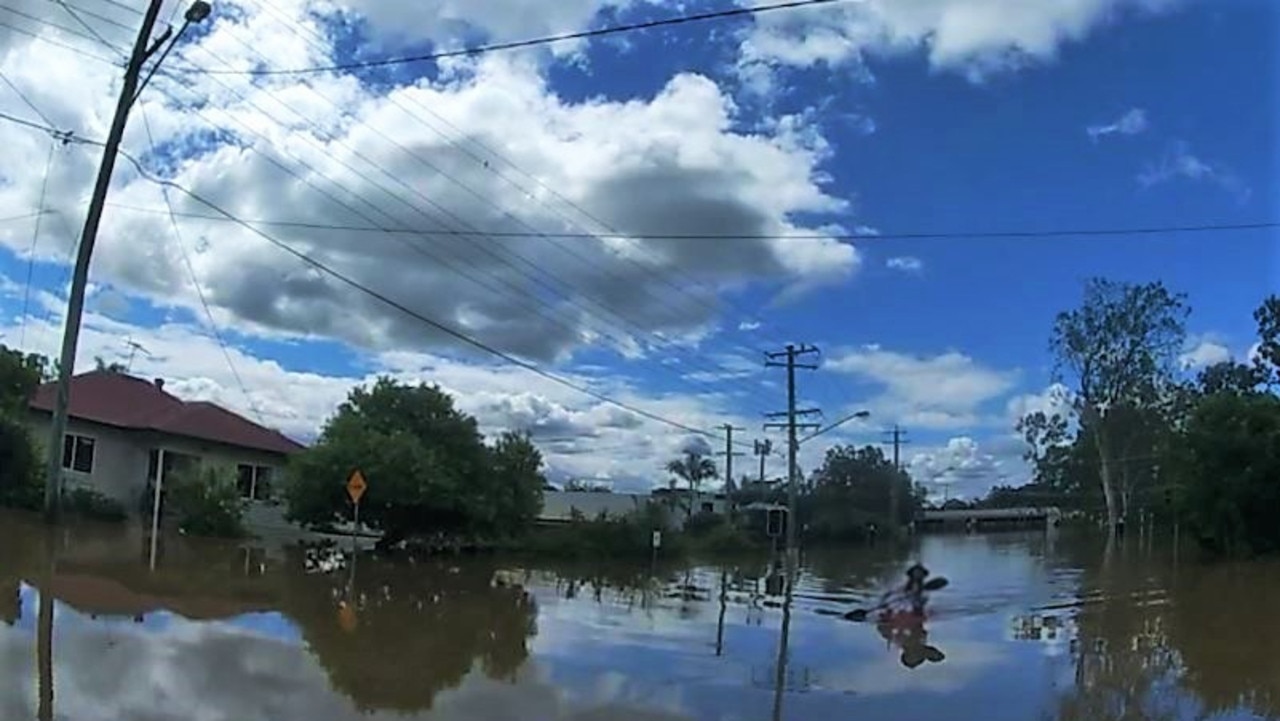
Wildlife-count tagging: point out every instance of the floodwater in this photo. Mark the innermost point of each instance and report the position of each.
(1033, 626)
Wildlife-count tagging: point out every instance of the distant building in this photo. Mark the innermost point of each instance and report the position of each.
(559, 506)
(121, 429)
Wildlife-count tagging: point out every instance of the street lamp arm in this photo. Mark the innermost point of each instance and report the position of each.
(833, 426)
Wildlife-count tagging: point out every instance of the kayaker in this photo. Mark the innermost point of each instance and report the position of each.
(913, 591)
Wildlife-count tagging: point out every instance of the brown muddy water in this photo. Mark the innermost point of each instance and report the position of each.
(1033, 626)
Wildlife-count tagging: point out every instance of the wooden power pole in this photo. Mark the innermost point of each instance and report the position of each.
(789, 359)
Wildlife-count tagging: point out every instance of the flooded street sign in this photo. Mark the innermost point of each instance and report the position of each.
(356, 486)
(347, 617)
(657, 539)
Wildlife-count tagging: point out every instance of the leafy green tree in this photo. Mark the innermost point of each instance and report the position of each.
(428, 470)
(1232, 471)
(20, 374)
(20, 484)
(518, 481)
(1119, 348)
(852, 488)
(1268, 318)
(1230, 377)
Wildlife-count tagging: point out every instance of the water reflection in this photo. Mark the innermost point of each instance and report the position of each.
(1028, 628)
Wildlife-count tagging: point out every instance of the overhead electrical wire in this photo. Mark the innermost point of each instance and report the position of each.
(195, 281)
(531, 42)
(91, 30)
(23, 96)
(93, 37)
(444, 328)
(35, 241)
(944, 235)
(58, 43)
(396, 99)
(536, 267)
(680, 286)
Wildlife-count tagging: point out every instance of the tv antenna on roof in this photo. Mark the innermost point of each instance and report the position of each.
(134, 347)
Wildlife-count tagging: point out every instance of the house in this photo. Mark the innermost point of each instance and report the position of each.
(121, 430)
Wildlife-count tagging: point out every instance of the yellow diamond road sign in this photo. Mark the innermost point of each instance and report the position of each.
(356, 485)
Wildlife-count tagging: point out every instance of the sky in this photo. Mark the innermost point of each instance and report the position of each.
(507, 217)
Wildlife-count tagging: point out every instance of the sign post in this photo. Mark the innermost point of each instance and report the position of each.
(356, 486)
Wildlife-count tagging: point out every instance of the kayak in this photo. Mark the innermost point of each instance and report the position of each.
(900, 619)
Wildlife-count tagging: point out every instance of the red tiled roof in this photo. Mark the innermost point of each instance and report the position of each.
(120, 400)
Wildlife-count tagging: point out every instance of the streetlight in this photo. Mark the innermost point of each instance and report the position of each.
(198, 11)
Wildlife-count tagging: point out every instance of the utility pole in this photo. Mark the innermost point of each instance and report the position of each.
(763, 449)
(789, 359)
(143, 49)
(897, 436)
(729, 453)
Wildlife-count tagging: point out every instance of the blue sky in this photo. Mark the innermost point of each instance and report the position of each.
(946, 117)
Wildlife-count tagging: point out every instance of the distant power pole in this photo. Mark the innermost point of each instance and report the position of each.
(763, 449)
(789, 359)
(897, 436)
(729, 453)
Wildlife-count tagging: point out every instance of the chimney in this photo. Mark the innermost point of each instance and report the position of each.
(159, 384)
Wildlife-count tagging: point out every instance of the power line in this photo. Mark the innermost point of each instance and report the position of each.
(13, 86)
(195, 281)
(58, 43)
(544, 276)
(87, 26)
(24, 216)
(92, 37)
(392, 303)
(675, 285)
(35, 240)
(517, 44)
(941, 235)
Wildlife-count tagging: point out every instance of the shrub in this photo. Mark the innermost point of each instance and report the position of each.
(207, 503)
(21, 482)
(90, 504)
(704, 522)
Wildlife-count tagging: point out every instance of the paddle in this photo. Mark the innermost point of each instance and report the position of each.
(860, 614)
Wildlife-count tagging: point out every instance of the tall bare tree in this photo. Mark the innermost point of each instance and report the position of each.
(1119, 349)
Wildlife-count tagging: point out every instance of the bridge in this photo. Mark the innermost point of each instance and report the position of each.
(974, 517)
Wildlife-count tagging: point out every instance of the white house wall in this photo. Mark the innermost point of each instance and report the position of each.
(121, 458)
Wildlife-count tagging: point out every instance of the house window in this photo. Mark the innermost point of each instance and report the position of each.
(708, 508)
(77, 453)
(253, 481)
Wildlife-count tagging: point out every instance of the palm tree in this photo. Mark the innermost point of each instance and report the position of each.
(694, 469)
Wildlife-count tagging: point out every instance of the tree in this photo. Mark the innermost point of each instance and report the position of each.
(581, 486)
(20, 374)
(1268, 361)
(102, 366)
(695, 469)
(853, 488)
(1230, 377)
(517, 471)
(1232, 472)
(427, 467)
(1119, 348)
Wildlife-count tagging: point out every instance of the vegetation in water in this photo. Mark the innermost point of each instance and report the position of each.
(207, 502)
(429, 470)
(1134, 437)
